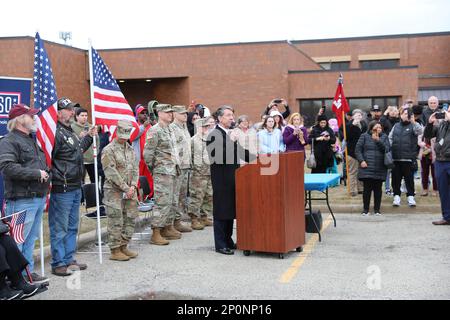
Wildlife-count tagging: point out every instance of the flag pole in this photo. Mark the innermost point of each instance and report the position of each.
(41, 232)
(97, 196)
(41, 241)
(344, 126)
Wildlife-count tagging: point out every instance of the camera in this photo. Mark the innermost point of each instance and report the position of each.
(440, 115)
(323, 108)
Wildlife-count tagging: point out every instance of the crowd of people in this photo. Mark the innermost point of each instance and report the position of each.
(182, 151)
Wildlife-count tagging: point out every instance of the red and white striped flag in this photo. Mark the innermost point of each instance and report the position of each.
(109, 105)
(16, 226)
(45, 99)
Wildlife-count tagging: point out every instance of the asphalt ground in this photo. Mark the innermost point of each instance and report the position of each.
(394, 256)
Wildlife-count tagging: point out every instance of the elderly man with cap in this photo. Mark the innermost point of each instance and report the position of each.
(67, 173)
(183, 144)
(122, 176)
(26, 177)
(162, 158)
(200, 187)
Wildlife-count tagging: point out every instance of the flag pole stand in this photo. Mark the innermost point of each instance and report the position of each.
(97, 196)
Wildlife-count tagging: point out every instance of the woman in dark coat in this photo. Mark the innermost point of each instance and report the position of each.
(370, 151)
(323, 140)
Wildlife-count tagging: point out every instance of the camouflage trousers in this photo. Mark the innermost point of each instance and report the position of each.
(182, 187)
(166, 199)
(121, 223)
(201, 192)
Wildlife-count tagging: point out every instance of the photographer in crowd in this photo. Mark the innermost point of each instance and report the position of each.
(26, 177)
(275, 104)
(441, 131)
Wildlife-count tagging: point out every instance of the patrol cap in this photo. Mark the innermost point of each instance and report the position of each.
(65, 103)
(202, 122)
(124, 128)
(164, 108)
(180, 109)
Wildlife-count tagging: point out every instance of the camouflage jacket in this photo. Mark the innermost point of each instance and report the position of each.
(183, 144)
(119, 165)
(160, 152)
(200, 158)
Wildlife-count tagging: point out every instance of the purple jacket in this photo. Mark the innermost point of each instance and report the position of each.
(292, 142)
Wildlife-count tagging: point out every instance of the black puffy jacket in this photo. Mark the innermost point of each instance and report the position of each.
(403, 139)
(67, 159)
(372, 152)
(21, 160)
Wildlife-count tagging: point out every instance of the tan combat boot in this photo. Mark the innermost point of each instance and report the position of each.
(196, 224)
(157, 238)
(127, 252)
(181, 227)
(118, 255)
(170, 233)
(207, 222)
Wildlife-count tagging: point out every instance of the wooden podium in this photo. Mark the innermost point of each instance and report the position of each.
(270, 203)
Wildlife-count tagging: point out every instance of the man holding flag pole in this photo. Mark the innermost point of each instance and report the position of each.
(340, 108)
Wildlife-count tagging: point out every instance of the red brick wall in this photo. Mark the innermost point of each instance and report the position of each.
(246, 76)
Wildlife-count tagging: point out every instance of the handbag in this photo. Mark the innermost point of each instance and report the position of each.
(311, 161)
(388, 161)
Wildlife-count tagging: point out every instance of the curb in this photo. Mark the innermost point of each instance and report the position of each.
(388, 209)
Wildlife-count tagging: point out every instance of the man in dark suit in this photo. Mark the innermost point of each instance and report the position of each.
(224, 153)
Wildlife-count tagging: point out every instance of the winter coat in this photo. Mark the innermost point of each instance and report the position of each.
(442, 135)
(372, 152)
(403, 139)
(291, 141)
(323, 151)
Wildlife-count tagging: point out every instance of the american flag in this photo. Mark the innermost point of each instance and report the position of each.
(109, 103)
(45, 99)
(17, 223)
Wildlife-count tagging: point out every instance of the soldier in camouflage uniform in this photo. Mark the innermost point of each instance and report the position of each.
(122, 175)
(200, 206)
(183, 144)
(161, 157)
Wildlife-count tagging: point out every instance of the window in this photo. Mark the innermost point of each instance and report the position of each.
(376, 64)
(336, 66)
(309, 108)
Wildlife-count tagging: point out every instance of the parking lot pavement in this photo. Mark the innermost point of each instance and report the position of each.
(395, 256)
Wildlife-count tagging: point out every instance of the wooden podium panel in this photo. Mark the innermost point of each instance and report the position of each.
(270, 214)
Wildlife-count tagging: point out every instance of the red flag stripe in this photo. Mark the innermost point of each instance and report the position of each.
(99, 108)
(110, 98)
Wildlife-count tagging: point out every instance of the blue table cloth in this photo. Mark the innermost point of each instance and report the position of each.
(321, 181)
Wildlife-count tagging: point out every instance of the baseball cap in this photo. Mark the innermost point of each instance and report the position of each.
(140, 109)
(65, 103)
(376, 108)
(21, 109)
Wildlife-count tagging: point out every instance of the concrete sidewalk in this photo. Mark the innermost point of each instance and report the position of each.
(395, 256)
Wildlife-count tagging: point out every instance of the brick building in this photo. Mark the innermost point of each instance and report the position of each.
(381, 70)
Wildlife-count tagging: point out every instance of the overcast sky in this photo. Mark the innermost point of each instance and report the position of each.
(139, 23)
